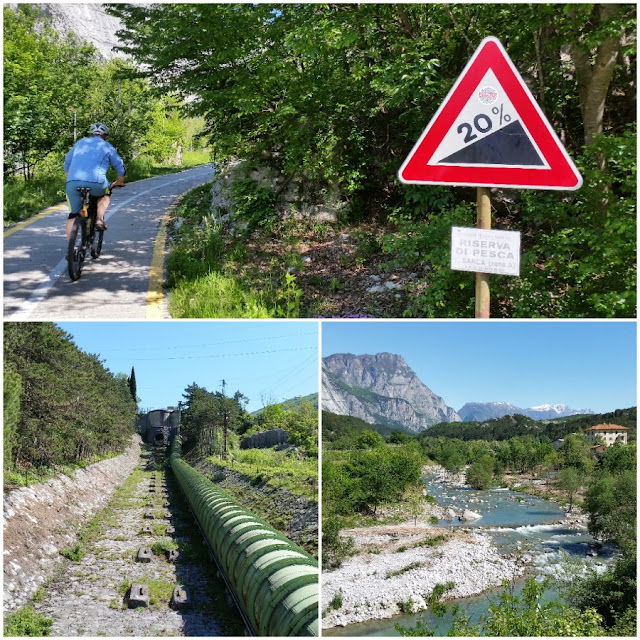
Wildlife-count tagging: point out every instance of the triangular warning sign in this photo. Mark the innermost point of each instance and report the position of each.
(490, 132)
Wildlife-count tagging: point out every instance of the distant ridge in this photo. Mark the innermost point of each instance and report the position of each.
(487, 410)
(292, 403)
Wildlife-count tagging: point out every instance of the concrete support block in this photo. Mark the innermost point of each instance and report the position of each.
(138, 595)
(149, 515)
(170, 530)
(180, 598)
(173, 555)
(144, 554)
(166, 505)
(147, 529)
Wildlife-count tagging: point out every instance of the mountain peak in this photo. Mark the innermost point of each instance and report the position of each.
(479, 411)
(381, 388)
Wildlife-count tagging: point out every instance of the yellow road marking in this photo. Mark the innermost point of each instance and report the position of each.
(155, 294)
(39, 216)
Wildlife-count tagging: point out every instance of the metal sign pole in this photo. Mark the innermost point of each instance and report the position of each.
(483, 221)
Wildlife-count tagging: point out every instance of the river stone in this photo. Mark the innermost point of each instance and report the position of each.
(468, 515)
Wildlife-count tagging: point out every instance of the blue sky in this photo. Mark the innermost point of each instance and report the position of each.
(586, 365)
(267, 361)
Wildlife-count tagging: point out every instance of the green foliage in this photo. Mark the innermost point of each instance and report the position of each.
(369, 478)
(133, 387)
(63, 421)
(570, 480)
(527, 615)
(205, 270)
(253, 204)
(208, 418)
(613, 594)
(160, 547)
(611, 504)
(288, 470)
(576, 452)
(27, 623)
(341, 432)
(480, 473)
(508, 427)
(43, 76)
(368, 439)
(335, 548)
(336, 602)
(75, 553)
(299, 420)
(12, 390)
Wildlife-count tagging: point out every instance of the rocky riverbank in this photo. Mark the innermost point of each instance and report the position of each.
(401, 564)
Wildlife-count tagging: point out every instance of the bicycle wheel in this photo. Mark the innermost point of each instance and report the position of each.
(96, 245)
(75, 251)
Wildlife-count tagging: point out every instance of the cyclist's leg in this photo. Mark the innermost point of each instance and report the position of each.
(75, 204)
(103, 203)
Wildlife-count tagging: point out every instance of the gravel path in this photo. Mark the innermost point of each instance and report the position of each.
(90, 597)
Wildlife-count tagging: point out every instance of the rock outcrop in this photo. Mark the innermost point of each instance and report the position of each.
(381, 389)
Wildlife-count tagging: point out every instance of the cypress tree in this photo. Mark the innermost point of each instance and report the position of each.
(132, 385)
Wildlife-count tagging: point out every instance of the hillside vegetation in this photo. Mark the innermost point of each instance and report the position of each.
(61, 406)
(518, 425)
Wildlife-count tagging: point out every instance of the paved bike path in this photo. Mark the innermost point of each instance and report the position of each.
(113, 287)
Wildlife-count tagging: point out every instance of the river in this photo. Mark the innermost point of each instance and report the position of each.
(518, 523)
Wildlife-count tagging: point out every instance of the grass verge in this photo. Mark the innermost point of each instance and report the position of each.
(213, 271)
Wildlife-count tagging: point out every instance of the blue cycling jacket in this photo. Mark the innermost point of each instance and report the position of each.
(89, 159)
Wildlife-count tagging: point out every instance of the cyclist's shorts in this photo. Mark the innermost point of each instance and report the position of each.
(73, 196)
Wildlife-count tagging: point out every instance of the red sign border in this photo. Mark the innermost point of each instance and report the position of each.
(562, 174)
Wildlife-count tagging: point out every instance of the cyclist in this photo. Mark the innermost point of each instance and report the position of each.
(85, 165)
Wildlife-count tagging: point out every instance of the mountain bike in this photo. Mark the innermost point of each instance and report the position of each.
(84, 236)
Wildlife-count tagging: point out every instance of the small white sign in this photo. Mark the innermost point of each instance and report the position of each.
(485, 251)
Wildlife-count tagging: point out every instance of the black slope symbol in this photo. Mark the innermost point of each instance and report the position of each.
(507, 146)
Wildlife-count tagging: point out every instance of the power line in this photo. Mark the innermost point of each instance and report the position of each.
(212, 344)
(220, 355)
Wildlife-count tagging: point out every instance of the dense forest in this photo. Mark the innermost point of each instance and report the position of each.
(517, 425)
(61, 406)
(335, 95)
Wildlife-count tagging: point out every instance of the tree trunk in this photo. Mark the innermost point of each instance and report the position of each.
(594, 80)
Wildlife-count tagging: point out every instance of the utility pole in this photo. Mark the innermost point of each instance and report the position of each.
(225, 424)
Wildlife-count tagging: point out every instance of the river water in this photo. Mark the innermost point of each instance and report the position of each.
(518, 523)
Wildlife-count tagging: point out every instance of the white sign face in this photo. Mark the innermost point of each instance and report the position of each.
(485, 251)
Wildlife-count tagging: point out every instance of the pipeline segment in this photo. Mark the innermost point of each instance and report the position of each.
(274, 581)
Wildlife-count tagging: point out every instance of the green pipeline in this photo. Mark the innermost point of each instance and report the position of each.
(274, 580)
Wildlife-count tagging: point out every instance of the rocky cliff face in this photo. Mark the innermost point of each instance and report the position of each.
(381, 389)
(88, 21)
(479, 411)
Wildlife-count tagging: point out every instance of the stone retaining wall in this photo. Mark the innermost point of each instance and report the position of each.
(41, 519)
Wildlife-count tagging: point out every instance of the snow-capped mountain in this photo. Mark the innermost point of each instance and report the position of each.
(479, 411)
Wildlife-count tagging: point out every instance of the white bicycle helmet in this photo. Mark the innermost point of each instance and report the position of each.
(99, 129)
